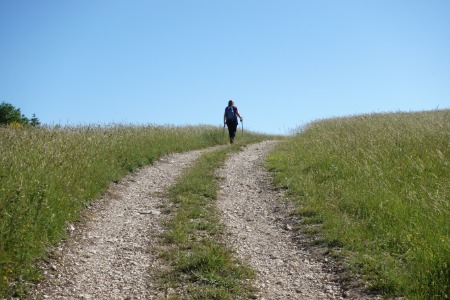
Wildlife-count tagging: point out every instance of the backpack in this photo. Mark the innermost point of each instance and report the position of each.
(229, 113)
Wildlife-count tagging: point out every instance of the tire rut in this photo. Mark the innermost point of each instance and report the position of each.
(106, 255)
(257, 222)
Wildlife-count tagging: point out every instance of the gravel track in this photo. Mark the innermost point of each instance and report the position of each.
(260, 230)
(253, 214)
(106, 255)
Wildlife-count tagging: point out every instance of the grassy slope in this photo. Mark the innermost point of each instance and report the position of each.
(379, 187)
(48, 175)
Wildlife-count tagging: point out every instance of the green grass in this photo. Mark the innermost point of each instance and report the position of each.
(49, 174)
(378, 185)
(201, 265)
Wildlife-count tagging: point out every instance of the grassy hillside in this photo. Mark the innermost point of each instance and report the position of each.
(379, 186)
(48, 175)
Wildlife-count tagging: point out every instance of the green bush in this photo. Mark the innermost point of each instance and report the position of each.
(12, 115)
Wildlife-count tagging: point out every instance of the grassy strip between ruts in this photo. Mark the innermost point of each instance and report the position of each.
(200, 265)
(379, 187)
(49, 174)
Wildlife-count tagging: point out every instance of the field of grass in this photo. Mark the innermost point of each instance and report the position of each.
(376, 186)
(48, 175)
(379, 186)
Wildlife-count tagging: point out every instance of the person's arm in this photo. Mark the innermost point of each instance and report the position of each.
(239, 115)
(225, 117)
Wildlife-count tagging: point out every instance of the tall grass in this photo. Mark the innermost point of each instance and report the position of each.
(49, 174)
(379, 186)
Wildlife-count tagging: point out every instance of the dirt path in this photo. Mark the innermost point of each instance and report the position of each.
(257, 219)
(252, 213)
(107, 254)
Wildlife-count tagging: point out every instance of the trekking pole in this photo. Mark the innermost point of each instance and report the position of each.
(242, 122)
(223, 132)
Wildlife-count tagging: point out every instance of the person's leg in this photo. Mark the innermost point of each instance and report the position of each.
(230, 132)
(233, 128)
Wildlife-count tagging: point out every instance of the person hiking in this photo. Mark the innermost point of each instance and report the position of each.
(230, 118)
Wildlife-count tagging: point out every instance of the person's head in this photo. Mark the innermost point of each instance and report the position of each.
(230, 103)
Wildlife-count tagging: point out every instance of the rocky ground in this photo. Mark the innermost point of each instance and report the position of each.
(107, 254)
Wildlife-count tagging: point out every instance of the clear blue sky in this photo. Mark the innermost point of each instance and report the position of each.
(284, 63)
